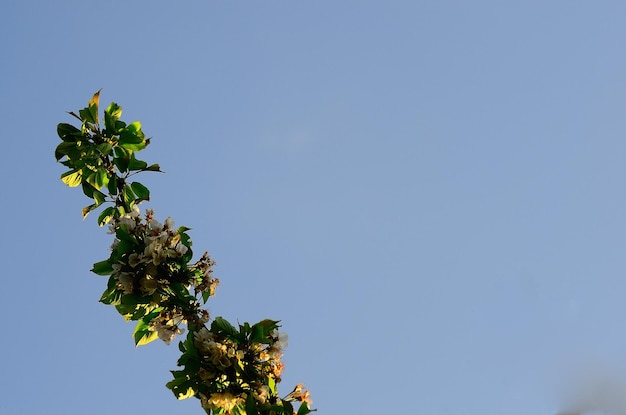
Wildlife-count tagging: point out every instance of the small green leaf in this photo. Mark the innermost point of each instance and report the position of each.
(93, 107)
(153, 167)
(102, 268)
(71, 178)
(304, 409)
(88, 209)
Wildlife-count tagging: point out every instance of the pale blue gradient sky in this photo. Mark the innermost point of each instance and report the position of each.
(429, 195)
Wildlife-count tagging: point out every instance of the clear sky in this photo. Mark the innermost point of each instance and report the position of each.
(429, 194)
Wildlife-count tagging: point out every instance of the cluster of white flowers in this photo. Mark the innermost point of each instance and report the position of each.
(225, 400)
(167, 326)
(160, 241)
(222, 361)
(149, 260)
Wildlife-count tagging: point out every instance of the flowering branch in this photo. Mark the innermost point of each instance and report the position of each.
(152, 280)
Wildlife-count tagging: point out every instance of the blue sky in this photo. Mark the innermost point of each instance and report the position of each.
(428, 195)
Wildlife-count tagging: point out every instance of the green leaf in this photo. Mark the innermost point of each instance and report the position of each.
(68, 149)
(135, 164)
(251, 408)
(140, 191)
(102, 178)
(135, 128)
(128, 195)
(88, 209)
(102, 268)
(122, 159)
(288, 406)
(67, 132)
(93, 107)
(112, 185)
(132, 138)
(182, 386)
(220, 325)
(91, 177)
(111, 295)
(205, 296)
(71, 178)
(144, 336)
(111, 115)
(142, 333)
(99, 197)
(105, 148)
(153, 167)
(106, 215)
(88, 189)
(304, 409)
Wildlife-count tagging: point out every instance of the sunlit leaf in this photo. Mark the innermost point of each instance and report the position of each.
(99, 197)
(71, 178)
(142, 333)
(106, 215)
(88, 209)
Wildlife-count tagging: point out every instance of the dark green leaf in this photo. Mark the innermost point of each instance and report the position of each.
(135, 164)
(121, 159)
(251, 408)
(288, 407)
(88, 189)
(140, 191)
(112, 185)
(304, 409)
(105, 148)
(67, 132)
(153, 167)
(220, 325)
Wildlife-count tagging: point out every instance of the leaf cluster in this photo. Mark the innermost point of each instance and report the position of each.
(101, 158)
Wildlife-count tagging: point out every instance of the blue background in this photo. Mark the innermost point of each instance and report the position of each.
(428, 194)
